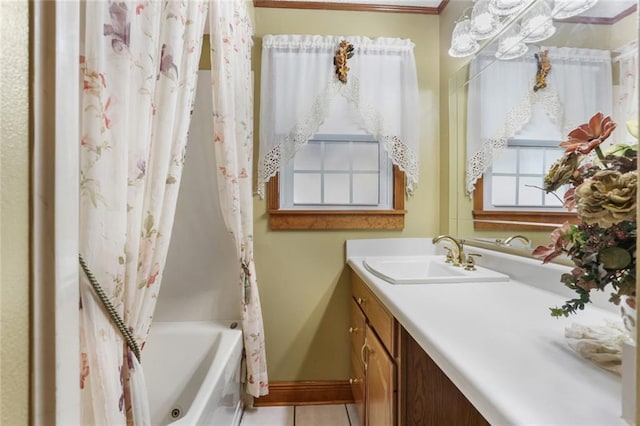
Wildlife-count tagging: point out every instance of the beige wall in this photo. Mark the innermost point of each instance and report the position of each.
(449, 149)
(304, 285)
(14, 213)
(624, 30)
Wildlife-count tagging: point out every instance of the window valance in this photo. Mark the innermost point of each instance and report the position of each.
(299, 87)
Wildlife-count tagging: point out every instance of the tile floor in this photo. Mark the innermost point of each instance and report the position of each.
(302, 415)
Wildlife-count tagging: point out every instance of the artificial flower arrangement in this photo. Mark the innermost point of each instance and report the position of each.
(602, 190)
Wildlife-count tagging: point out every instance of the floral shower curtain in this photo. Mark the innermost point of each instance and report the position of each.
(139, 68)
(232, 88)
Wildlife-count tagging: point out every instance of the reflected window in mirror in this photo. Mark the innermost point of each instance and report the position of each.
(505, 102)
(607, 40)
(515, 179)
(510, 194)
(514, 127)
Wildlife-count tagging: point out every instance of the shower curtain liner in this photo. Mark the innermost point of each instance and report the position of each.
(139, 66)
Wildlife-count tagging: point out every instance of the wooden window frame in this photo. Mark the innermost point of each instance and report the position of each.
(514, 220)
(337, 219)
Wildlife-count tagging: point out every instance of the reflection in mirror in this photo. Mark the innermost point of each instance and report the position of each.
(516, 100)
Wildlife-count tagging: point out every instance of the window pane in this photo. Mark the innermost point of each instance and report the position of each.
(552, 200)
(336, 188)
(336, 156)
(306, 188)
(531, 161)
(365, 188)
(308, 158)
(551, 155)
(365, 156)
(505, 162)
(528, 195)
(503, 190)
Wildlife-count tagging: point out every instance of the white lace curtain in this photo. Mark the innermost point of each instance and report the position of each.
(626, 106)
(501, 102)
(299, 87)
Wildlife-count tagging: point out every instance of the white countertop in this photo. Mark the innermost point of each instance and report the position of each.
(497, 341)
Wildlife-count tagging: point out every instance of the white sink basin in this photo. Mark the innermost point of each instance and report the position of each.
(426, 270)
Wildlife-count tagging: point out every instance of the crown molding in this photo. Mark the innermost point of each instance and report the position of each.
(359, 7)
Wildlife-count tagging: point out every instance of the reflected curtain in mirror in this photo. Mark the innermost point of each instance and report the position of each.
(626, 107)
(502, 103)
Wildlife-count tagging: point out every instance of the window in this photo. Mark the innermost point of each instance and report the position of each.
(338, 172)
(338, 182)
(328, 140)
(515, 179)
(338, 217)
(510, 194)
(503, 109)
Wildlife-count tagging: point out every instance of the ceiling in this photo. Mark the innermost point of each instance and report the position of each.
(604, 9)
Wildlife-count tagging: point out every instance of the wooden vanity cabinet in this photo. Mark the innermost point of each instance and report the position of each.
(394, 381)
(373, 357)
(431, 398)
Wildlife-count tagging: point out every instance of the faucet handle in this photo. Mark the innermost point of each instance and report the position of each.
(448, 256)
(470, 263)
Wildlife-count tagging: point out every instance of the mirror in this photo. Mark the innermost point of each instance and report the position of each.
(487, 103)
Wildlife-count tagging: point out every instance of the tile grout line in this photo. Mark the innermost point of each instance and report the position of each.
(348, 416)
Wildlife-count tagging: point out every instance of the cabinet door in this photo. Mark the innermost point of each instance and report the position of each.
(380, 383)
(429, 397)
(357, 328)
(357, 379)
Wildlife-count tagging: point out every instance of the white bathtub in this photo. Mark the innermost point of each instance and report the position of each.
(192, 371)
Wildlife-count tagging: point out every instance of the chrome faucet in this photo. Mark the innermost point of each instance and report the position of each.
(456, 246)
(507, 241)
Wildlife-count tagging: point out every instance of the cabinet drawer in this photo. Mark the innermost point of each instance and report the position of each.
(380, 319)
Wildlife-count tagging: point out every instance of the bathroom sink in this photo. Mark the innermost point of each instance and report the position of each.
(426, 270)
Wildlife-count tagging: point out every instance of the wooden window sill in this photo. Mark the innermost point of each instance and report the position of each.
(515, 220)
(337, 219)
